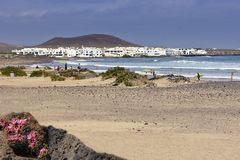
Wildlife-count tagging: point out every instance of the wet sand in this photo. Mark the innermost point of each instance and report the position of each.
(190, 121)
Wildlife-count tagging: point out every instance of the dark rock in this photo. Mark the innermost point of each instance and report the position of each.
(65, 146)
(176, 78)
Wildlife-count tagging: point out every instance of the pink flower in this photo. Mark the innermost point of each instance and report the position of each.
(32, 139)
(13, 129)
(15, 137)
(10, 128)
(15, 125)
(21, 122)
(43, 152)
(32, 135)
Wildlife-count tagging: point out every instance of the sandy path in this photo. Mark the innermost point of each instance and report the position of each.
(198, 121)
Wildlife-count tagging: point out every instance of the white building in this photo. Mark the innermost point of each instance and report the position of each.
(185, 52)
(114, 52)
(109, 52)
(155, 52)
(33, 51)
(90, 52)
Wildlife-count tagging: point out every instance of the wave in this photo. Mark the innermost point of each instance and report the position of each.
(168, 67)
(81, 60)
(202, 62)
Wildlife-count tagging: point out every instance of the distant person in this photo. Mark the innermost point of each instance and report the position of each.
(66, 67)
(154, 74)
(198, 76)
(232, 73)
(37, 67)
(58, 68)
(79, 66)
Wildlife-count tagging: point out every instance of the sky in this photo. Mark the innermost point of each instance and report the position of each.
(162, 23)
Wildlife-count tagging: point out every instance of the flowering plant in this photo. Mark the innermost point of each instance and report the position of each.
(24, 135)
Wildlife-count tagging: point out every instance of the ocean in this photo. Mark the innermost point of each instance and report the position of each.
(211, 67)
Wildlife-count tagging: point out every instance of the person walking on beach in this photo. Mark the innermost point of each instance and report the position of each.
(198, 76)
(66, 67)
(79, 67)
(154, 74)
(232, 73)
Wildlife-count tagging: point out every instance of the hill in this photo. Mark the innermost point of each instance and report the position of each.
(8, 47)
(93, 40)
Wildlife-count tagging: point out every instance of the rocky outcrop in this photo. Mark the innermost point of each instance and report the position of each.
(60, 145)
(65, 146)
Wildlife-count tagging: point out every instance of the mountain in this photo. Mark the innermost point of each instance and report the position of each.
(93, 40)
(8, 47)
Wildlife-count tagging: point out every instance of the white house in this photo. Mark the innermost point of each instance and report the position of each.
(109, 52)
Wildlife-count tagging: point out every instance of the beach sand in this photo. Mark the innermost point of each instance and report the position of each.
(193, 121)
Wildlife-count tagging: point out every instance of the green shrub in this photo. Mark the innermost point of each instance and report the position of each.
(78, 74)
(18, 72)
(55, 77)
(40, 73)
(124, 76)
(37, 73)
(113, 72)
(47, 74)
(127, 77)
(67, 73)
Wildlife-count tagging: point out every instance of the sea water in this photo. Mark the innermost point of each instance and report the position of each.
(211, 67)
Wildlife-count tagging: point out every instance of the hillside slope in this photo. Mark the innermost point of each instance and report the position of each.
(8, 47)
(93, 40)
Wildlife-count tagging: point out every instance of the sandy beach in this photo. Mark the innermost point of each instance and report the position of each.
(188, 121)
(119, 80)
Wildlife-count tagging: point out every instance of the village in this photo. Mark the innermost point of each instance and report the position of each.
(62, 52)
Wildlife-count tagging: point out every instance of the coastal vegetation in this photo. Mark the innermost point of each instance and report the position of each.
(62, 75)
(17, 71)
(40, 73)
(55, 77)
(78, 74)
(124, 76)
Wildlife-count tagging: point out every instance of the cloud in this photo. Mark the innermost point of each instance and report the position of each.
(32, 13)
(45, 8)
